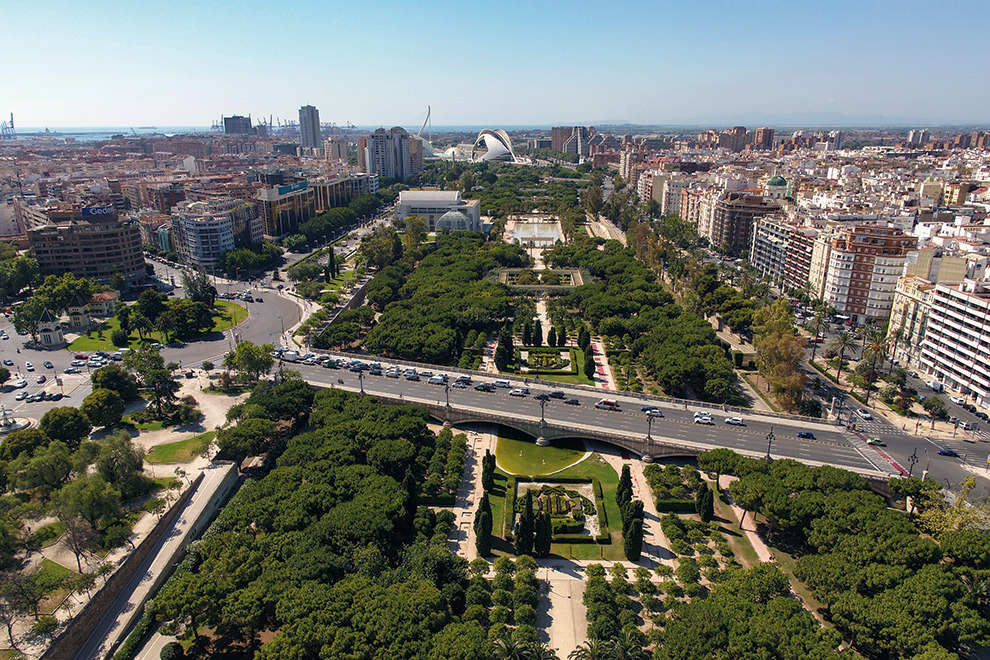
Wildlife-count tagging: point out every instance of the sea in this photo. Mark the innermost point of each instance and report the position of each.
(97, 133)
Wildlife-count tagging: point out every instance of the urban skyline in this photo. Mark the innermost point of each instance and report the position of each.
(765, 63)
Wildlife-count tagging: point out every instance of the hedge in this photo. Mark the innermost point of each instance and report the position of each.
(565, 527)
(824, 372)
(601, 539)
(599, 503)
(135, 641)
(668, 505)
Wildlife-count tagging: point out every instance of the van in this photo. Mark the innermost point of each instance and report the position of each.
(935, 386)
(607, 404)
(501, 383)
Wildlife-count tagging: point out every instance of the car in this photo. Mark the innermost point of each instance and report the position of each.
(556, 394)
(48, 365)
(647, 409)
(459, 385)
(42, 378)
(958, 400)
(392, 373)
(704, 420)
(435, 380)
(913, 374)
(484, 387)
(948, 452)
(157, 345)
(572, 402)
(412, 377)
(981, 415)
(56, 396)
(50, 396)
(542, 396)
(463, 378)
(21, 395)
(81, 356)
(277, 353)
(876, 442)
(8, 363)
(807, 435)
(94, 364)
(73, 370)
(969, 407)
(911, 391)
(864, 413)
(375, 371)
(656, 412)
(735, 421)
(261, 300)
(426, 374)
(28, 366)
(517, 391)
(20, 383)
(36, 398)
(4, 336)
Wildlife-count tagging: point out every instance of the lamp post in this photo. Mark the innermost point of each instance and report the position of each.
(281, 337)
(446, 393)
(912, 459)
(648, 454)
(769, 442)
(361, 381)
(542, 440)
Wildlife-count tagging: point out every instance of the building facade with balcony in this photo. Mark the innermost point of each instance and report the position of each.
(956, 347)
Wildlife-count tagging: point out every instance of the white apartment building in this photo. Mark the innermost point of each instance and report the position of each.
(203, 231)
(956, 348)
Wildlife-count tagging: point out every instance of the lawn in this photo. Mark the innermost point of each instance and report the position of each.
(522, 456)
(47, 534)
(593, 466)
(149, 426)
(55, 598)
(165, 483)
(567, 379)
(230, 315)
(182, 451)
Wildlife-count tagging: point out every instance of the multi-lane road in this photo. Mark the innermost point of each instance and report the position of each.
(831, 444)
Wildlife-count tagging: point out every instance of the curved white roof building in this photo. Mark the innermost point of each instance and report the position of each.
(497, 143)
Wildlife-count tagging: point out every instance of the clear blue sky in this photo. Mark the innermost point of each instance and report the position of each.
(178, 63)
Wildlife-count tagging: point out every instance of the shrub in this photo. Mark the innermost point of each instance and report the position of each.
(118, 338)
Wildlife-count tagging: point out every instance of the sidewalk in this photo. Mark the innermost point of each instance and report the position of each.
(603, 376)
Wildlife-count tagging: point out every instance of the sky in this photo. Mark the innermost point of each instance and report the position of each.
(506, 63)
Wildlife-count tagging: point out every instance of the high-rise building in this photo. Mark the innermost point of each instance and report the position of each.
(956, 347)
(237, 125)
(284, 208)
(763, 139)
(90, 242)
(733, 139)
(335, 149)
(918, 136)
(203, 231)
(390, 154)
(733, 218)
(863, 266)
(571, 139)
(309, 127)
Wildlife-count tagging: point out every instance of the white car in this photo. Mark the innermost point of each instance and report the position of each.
(78, 363)
(21, 395)
(864, 413)
(735, 421)
(703, 419)
(518, 391)
(28, 366)
(21, 383)
(958, 400)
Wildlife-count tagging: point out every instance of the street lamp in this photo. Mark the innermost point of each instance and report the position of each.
(281, 337)
(769, 442)
(543, 407)
(912, 459)
(361, 380)
(446, 392)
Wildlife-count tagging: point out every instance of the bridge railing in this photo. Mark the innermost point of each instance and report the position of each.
(639, 397)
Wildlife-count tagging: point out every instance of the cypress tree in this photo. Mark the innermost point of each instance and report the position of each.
(544, 534)
(707, 508)
(630, 511)
(537, 336)
(589, 365)
(699, 496)
(504, 350)
(412, 494)
(632, 542)
(488, 471)
(525, 527)
(561, 337)
(483, 527)
(552, 336)
(527, 334)
(623, 492)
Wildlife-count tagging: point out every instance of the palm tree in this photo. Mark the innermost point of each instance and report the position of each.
(508, 647)
(841, 343)
(896, 339)
(820, 321)
(628, 647)
(874, 348)
(140, 323)
(593, 650)
(165, 324)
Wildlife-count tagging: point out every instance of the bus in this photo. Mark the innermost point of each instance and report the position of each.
(607, 404)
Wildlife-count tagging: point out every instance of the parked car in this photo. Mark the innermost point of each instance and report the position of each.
(56, 396)
(28, 366)
(807, 435)
(81, 356)
(412, 376)
(73, 370)
(48, 365)
(42, 378)
(958, 400)
(21, 395)
(864, 413)
(21, 383)
(735, 421)
(948, 452)
(876, 442)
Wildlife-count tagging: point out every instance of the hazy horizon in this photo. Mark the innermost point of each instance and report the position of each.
(109, 63)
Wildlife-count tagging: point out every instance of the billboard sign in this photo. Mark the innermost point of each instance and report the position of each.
(285, 190)
(92, 211)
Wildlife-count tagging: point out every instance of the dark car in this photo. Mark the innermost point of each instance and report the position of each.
(647, 409)
(556, 394)
(572, 402)
(48, 365)
(375, 371)
(948, 452)
(543, 396)
(485, 387)
(982, 415)
(806, 434)
(408, 376)
(970, 407)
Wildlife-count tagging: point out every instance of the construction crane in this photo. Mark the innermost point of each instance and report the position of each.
(7, 129)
